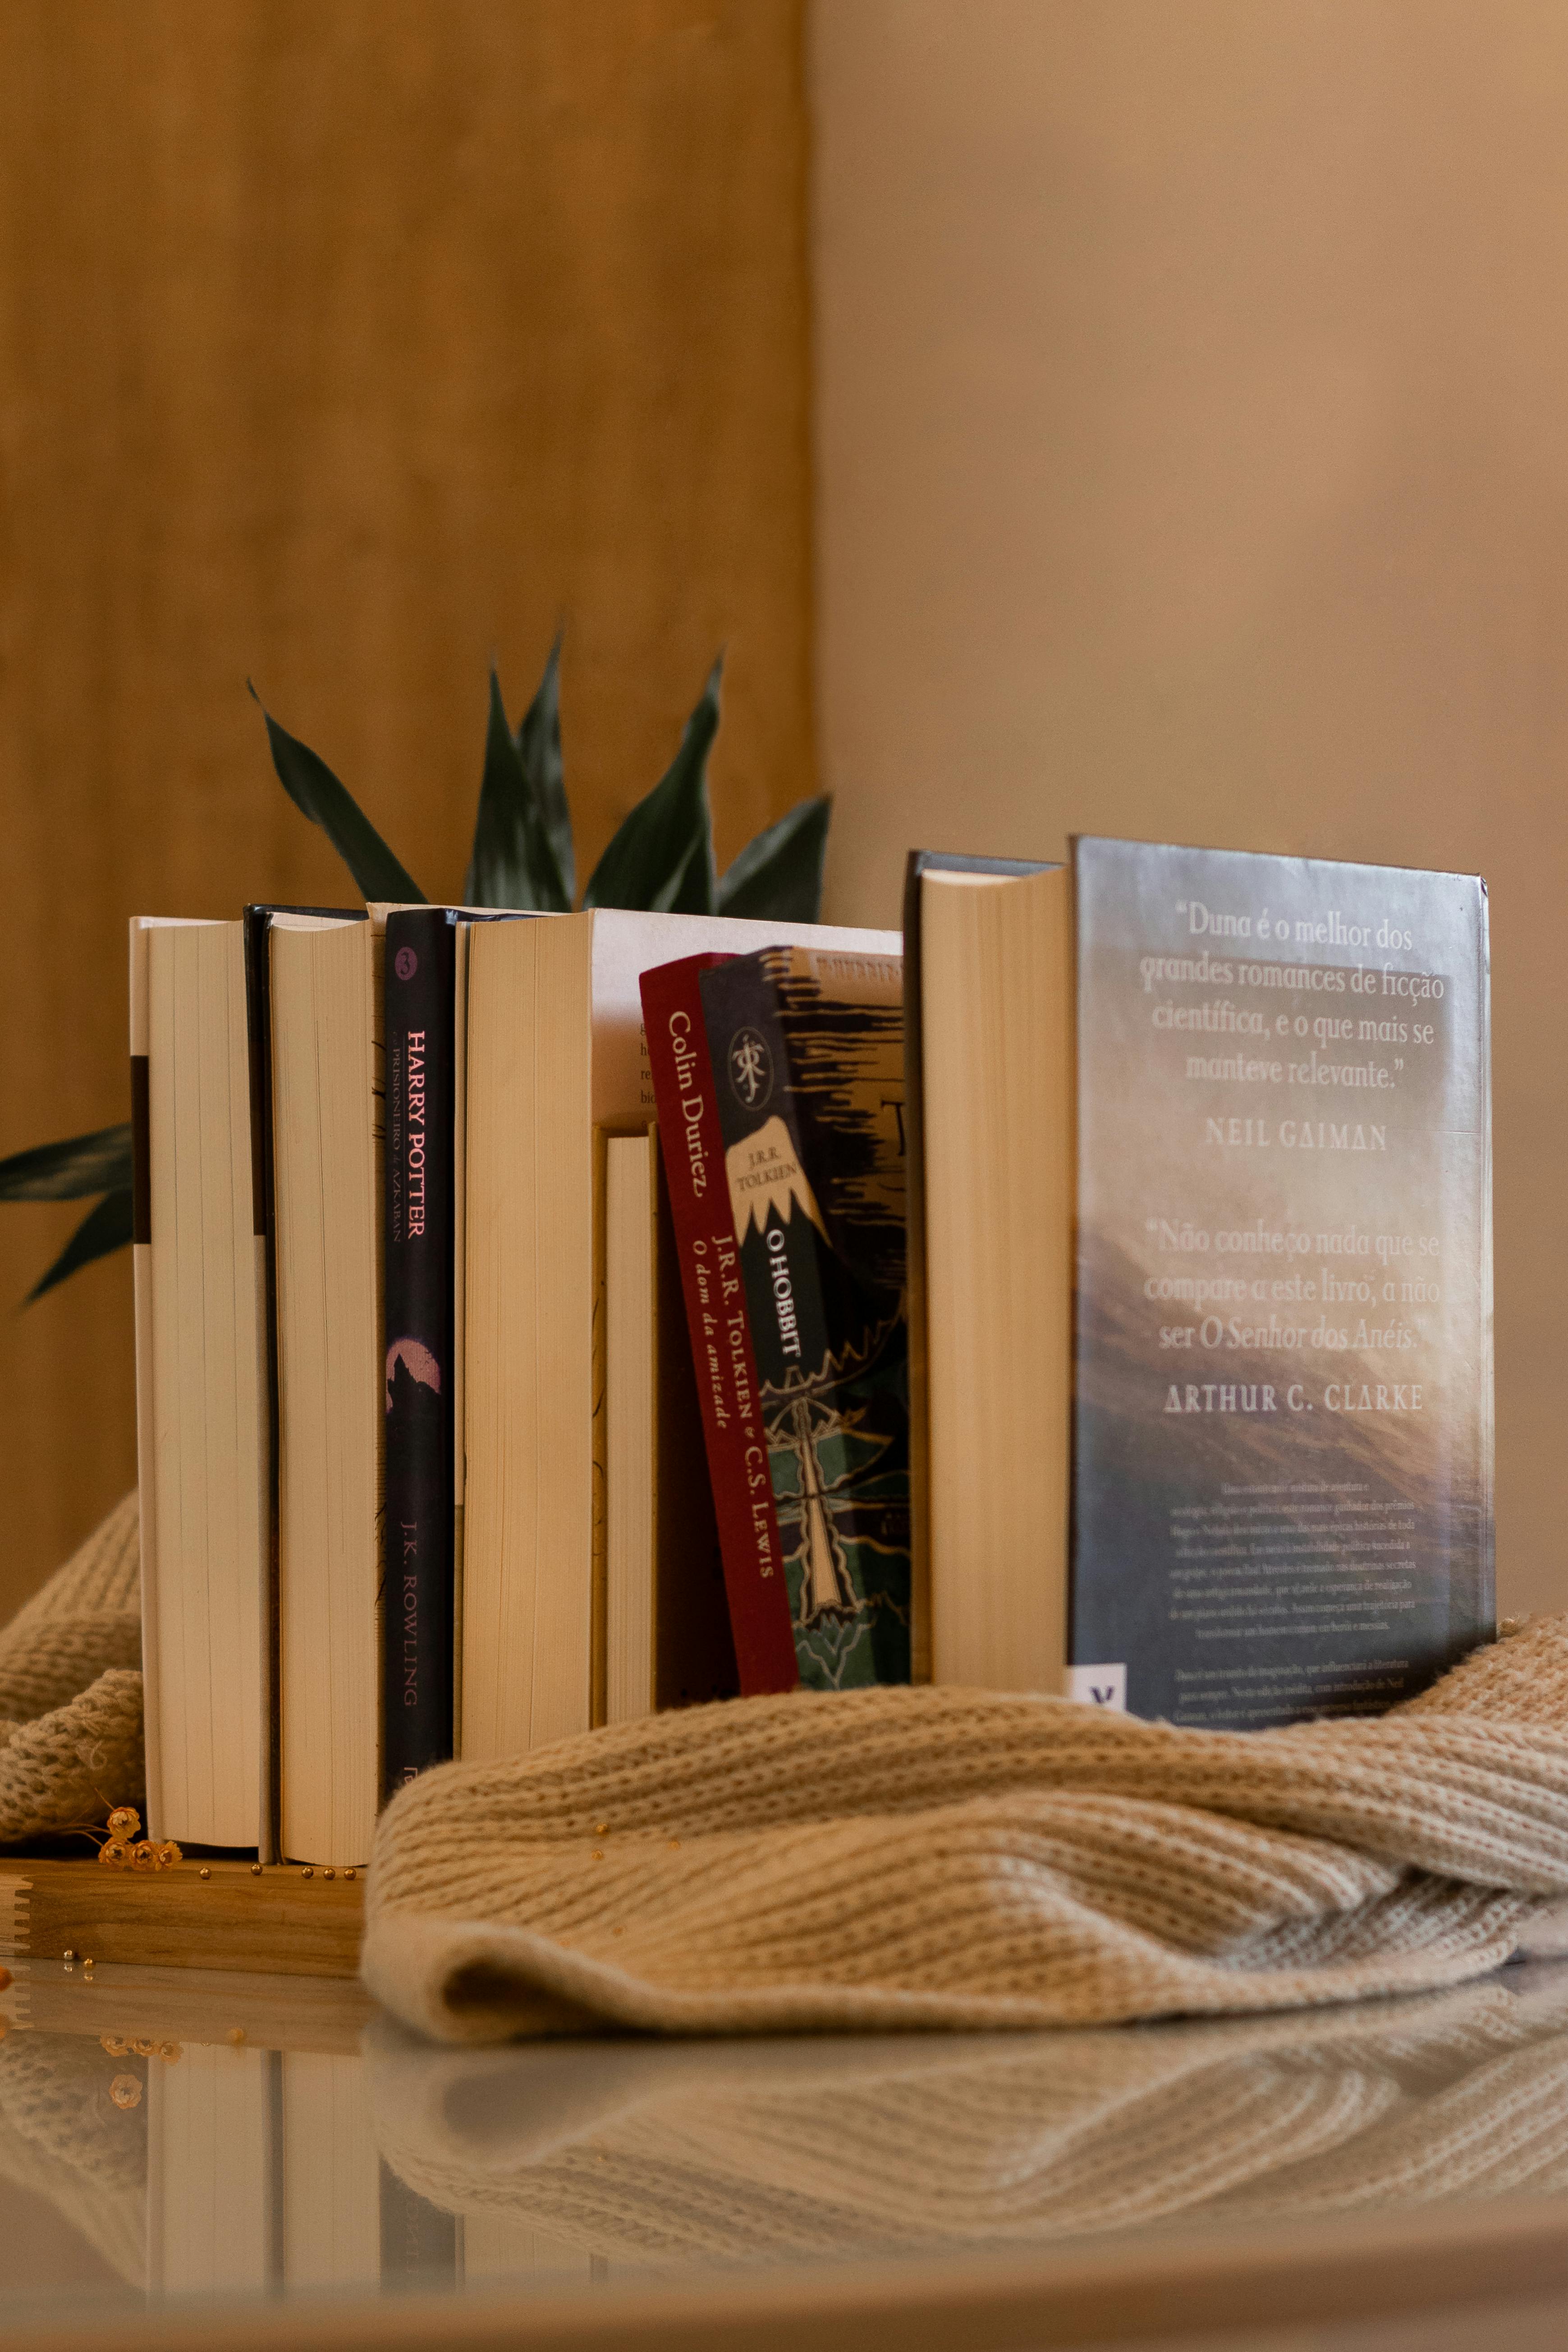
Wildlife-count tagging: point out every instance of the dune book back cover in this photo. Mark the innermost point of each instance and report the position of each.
(1282, 1356)
(808, 1054)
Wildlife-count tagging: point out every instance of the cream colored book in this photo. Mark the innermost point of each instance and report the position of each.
(327, 1105)
(201, 1390)
(1201, 1278)
(666, 1622)
(554, 1049)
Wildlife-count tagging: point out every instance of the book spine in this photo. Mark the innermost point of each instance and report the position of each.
(417, 1568)
(721, 1350)
(146, 1447)
(255, 934)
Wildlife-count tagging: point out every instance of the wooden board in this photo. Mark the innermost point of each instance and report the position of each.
(280, 1923)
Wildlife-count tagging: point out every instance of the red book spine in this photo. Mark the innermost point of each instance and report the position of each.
(721, 1335)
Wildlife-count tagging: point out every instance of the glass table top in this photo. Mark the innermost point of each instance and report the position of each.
(169, 2136)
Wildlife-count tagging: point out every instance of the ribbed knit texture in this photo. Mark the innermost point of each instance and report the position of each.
(667, 2156)
(70, 1689)
(924, 1857)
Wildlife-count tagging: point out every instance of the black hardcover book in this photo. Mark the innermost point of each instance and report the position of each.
(808, 1054)
(419, 1570)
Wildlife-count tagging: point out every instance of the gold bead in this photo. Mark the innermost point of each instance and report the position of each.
(351, 1873)
(237, 2034)
(204, 1872)
(67, 1958)
(306, 1872)
(329, 1873)
(256, 1869)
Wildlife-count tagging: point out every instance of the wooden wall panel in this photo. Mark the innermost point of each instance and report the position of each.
(340, 347)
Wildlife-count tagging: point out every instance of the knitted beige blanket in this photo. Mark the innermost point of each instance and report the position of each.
(921, 1857)
(70, 1690)
(664, 2154)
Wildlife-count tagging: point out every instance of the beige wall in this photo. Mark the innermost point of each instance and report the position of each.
(1191, 414)
(340, 346)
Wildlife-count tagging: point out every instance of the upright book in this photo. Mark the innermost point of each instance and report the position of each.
(805, 1046)
(1227, 1458)
(723, 1359)
(200, 1383)
(327, 1104)
(418, 1527)
(425, 996)
(257, 933)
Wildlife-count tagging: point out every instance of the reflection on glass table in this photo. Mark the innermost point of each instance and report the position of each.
(247, 2135)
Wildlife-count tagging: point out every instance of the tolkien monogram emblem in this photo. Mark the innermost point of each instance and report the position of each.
(751, 1068)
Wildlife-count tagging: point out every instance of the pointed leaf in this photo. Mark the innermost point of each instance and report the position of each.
(514, 862)
(662, 855)
(69, 1171)
(778, 876)
(539, 748)
(317, 793)
(103, 1230)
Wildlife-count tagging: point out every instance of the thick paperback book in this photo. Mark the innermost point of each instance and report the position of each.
(1203, 1277)
(806, 1048)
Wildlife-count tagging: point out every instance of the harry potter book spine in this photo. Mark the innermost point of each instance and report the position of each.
(418, 1567)
(715, 1310)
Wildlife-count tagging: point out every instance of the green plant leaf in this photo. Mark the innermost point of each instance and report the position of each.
(514, 862)
(777, 876)
(661, 856)
(70, 1169)
(538, 741)
(318, 794)
(103, 1230)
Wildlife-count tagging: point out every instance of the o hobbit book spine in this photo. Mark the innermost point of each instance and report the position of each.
(418, 1531)
(1283, 1376)
(806, 1053)
(726, 1370)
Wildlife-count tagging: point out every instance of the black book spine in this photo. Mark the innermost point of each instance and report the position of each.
(417, 1568)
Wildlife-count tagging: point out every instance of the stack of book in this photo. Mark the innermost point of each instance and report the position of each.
(545, 1319)
(419, 1442)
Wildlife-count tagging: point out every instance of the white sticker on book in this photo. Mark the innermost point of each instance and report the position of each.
(1099, 1687)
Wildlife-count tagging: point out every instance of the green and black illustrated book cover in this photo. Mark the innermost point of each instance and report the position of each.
(1282, 1356)
(808, 1054)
